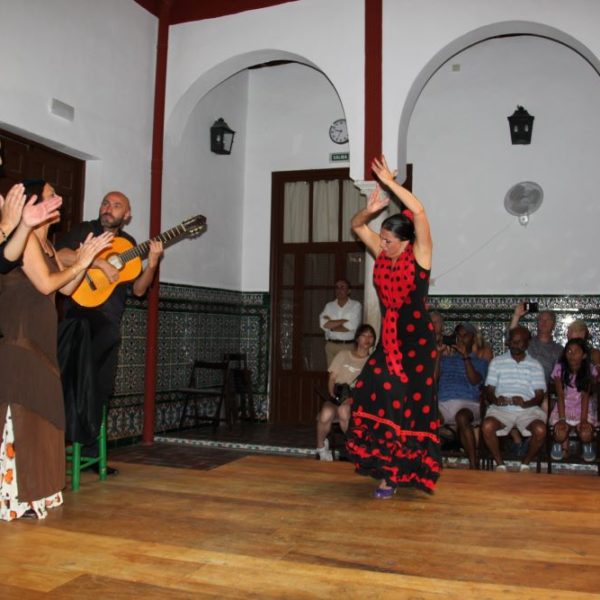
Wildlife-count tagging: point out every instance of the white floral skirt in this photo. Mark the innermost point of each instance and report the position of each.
(10, 506)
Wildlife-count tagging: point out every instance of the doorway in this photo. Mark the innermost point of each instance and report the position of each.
(24, 159)
(312, 246)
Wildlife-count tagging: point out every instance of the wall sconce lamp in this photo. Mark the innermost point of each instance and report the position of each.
(521, 126)
(221, 137)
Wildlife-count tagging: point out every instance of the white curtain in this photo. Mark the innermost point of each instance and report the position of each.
(295, 215)
(326, 200)
(325, 211)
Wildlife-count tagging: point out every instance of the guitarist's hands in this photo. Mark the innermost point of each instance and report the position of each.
(111, 273)
(155, 252)
(91, 247)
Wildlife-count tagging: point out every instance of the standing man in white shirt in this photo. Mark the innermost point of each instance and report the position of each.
(339, 320)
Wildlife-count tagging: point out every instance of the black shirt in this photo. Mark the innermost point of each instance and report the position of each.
(114, 307)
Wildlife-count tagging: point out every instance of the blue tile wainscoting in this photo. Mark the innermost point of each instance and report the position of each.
(195, 323)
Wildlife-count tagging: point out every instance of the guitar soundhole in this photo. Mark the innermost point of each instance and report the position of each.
(115, 261)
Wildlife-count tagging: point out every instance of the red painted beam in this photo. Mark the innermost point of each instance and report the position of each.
(156, 170)
(183, 11)
(373, 82)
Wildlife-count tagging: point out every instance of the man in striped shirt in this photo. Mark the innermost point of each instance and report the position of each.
(515, 387)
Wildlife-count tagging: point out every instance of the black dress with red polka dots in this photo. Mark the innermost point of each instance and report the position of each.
(393, 434)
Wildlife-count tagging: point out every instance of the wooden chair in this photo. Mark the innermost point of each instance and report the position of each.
(208, 380)
(240, 386)
(79, 463)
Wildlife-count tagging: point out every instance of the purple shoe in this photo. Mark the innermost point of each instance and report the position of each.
(384, 493)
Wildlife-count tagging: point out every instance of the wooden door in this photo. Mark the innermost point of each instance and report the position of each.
(23, 159)
(303, 273)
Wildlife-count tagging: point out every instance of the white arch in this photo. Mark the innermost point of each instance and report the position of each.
(470, 39)
(177, 120)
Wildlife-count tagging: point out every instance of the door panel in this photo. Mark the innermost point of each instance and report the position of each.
(308, 255)
(24, 159)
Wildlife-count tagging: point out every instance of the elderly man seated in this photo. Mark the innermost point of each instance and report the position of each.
(460, 377)
(515, 386)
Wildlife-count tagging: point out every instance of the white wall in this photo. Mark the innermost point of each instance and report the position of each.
(98, 57)
(234, 192)
(197, 181)
(464, 164)
(284, 122)
(290, 109)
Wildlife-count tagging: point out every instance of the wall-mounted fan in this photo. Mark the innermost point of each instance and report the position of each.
(523, 199)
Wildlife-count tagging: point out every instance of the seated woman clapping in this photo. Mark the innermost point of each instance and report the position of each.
(343, 371)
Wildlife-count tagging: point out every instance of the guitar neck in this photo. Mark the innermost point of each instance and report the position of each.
(141, 250)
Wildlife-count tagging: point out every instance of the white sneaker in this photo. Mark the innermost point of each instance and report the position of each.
(588, 452)
(325, 454)
(556, 453)
(501, 468)
(524, 468)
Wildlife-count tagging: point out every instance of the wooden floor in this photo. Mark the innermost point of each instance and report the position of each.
(279, 527)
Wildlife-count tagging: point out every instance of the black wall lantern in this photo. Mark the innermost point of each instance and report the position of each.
(221, 137)
(521, 126)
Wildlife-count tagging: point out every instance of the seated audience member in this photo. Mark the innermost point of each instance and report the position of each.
(343, 371)
(460, 378)
(573, 378)
(579, 329)
(542, 346)
(515, 389)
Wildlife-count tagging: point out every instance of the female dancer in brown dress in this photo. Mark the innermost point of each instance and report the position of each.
(393, 435)
(32, 458)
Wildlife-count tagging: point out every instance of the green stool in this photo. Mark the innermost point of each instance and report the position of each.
(78, 462)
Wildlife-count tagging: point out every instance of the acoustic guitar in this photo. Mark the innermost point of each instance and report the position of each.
(95, 288)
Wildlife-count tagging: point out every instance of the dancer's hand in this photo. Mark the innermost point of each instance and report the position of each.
(377, 201)
(383, 172)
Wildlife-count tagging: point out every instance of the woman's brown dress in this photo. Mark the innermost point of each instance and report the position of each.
(30, 384)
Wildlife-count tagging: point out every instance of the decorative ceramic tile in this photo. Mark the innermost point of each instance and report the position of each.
(194, 323)
(492, 314)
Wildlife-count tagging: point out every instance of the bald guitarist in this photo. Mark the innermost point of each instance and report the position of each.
(105, 320)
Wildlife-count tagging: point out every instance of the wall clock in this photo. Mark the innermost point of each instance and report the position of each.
(338, 132)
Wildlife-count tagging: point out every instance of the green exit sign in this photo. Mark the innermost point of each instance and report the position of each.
(339, 157)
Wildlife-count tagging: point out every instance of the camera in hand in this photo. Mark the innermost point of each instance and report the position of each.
(531, 307)
(449, 340)
(341, 392)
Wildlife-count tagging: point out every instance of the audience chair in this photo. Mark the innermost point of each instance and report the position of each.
(78, 463)
(208, 380)
(241, 385)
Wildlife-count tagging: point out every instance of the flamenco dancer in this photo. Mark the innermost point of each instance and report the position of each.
(393, 435)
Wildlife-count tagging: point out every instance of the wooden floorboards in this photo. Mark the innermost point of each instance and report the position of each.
(278, 527)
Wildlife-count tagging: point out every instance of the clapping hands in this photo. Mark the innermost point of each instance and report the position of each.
(15, 210)
(91, 247)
